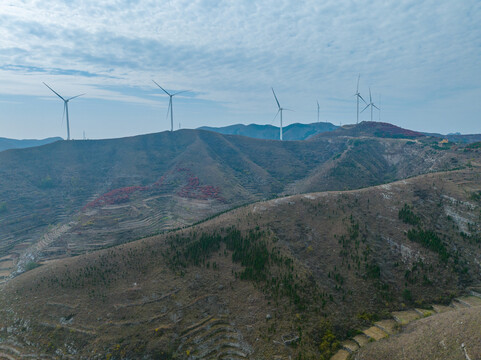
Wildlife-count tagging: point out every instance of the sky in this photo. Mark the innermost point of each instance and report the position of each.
(421, 60)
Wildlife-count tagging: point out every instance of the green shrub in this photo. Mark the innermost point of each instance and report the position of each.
(407, 296)
(31, 265)
(46, 183)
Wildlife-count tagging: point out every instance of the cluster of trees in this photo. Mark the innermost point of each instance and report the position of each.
(429, 239)
(250, 250)
(407, 215)
(262, 263)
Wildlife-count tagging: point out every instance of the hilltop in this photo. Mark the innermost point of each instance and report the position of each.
(376, 129)
(291, 276)
(80, 196)
(268, 132)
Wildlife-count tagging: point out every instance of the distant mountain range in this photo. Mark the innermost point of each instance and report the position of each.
(458, 138)
(6, 144)
(299, 131)
(293, 132)
(268, 132)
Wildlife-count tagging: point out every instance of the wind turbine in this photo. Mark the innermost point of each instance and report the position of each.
(358, 96)
(170, 104)
(65, 107)
(371, 104)
(279, 111)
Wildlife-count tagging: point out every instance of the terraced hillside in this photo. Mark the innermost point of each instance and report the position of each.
(293, 276)
(451, 332)
(67, 198)
(422, 339)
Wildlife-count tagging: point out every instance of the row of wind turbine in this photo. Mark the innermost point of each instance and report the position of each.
(170, 108)
(357, 95)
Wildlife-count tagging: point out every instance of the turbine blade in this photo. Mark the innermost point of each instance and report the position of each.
(180, 92)
(357, 91)
(277, 113)
(56, 93)
(376, 107)
(161, 87)
(287, 109)
(277, 101)
(370, 97)
(362, 98)
(366, 107)
(73, 97)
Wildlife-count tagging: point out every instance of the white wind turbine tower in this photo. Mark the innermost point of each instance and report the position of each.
(65, 107)
(170, 104)
(371, 104)
(280, 109)
(358, 96)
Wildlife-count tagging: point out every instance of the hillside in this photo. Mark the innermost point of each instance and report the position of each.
(80, 196)
(268, 132)
(6, 143)
(288, 277)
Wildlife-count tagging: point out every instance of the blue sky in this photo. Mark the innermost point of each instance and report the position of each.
(422, 60)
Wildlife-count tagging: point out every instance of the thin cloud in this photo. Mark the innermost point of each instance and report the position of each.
(231, 53)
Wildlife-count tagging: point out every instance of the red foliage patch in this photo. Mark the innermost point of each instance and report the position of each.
(192, 190)
(116, 196)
